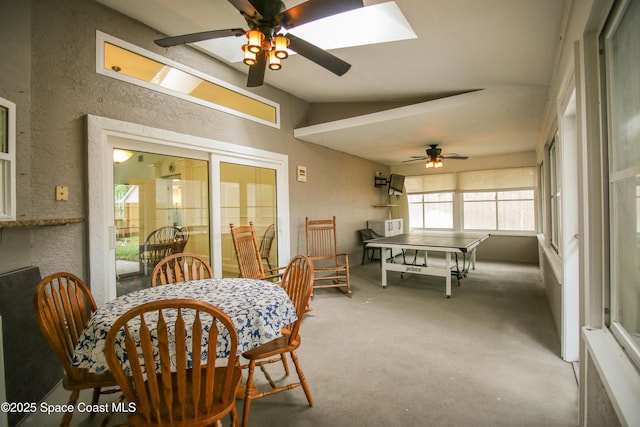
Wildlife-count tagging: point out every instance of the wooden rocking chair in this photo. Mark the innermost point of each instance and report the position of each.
(329, 265)
(245, 242)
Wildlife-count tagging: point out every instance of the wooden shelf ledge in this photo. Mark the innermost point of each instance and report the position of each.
(40, 222)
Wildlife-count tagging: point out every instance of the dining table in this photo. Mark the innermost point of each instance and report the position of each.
(259, 310)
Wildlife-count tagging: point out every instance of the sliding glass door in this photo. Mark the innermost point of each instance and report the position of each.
(188, 187)
(161, 207)
(248, 194)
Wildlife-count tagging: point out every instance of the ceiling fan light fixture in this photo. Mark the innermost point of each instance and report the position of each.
(255, 39)
(280, 45)
(274, 61)
(250, 58)
(434, 163)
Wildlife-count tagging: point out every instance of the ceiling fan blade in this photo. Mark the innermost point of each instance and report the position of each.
(455, 157)
(256, 71)
(321, 57)
(415, 159)
(246, 9)
(198, 37)
(312, 10)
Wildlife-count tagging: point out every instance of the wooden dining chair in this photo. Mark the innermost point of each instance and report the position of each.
(298, 282)
(63, 305)
(181, 268)
(266, 242)
(174, 336)
(329, 264)
(160, 243)
(245, 242)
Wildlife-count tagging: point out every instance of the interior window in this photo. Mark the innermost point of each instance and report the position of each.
(554, 196)
(499, 210)
(7, 160)
(124, 61)
(432, 210)
(622, 92)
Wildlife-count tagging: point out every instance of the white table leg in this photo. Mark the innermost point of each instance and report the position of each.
(448, 275)
(383, 265)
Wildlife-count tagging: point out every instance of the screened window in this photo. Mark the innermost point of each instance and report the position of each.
(493, 199)
(499, 210)
(554, 196)
(432, 210)
(7, 160)
(622, 92)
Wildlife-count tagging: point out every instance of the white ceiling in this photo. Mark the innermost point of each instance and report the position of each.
(502, 50)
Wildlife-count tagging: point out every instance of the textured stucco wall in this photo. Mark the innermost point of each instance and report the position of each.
(48, 53)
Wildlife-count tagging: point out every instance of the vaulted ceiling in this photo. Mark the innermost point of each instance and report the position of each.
(475, 80)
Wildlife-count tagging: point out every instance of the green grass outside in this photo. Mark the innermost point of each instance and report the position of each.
(128, 248)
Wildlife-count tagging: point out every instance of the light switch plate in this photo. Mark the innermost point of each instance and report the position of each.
(62, 193)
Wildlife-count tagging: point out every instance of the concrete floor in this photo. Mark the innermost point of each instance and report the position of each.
(407, 356)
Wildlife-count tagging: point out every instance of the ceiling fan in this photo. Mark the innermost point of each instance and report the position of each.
(434, 157)
(266, 18)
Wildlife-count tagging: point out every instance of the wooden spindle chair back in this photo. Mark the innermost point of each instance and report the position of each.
(245, 243)
(63, 305)
(184, 390)
(321, 238)
(266, 242)
(297, 281)
(181, 268)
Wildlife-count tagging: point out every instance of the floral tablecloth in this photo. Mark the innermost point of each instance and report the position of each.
(258, 309)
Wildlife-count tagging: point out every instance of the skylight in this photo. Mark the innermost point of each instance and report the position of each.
(379, 23)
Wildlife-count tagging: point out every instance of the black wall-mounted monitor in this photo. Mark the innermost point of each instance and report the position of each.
(396, 184)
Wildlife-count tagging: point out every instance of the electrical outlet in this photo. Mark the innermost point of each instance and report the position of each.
(62, 193)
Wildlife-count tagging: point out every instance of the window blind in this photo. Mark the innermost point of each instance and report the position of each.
(497, 179)
(430, 183)
(482, 180)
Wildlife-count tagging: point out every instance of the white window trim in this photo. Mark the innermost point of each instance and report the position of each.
(9, 192)
(101, 133)
(498, 231)
(422, 203)
(619, 376)
(555, 202)
(102, 38)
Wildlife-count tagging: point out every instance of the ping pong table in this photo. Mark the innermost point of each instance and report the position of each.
(455, 245)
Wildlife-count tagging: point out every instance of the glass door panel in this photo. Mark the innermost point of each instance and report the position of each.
(247, 194)
(161, 207)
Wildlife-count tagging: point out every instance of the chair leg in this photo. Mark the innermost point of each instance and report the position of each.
(301, 377)
(234, 417)
(348, 282)
(285, 364)
(247, 394)
(96, 396)
(66, 419)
